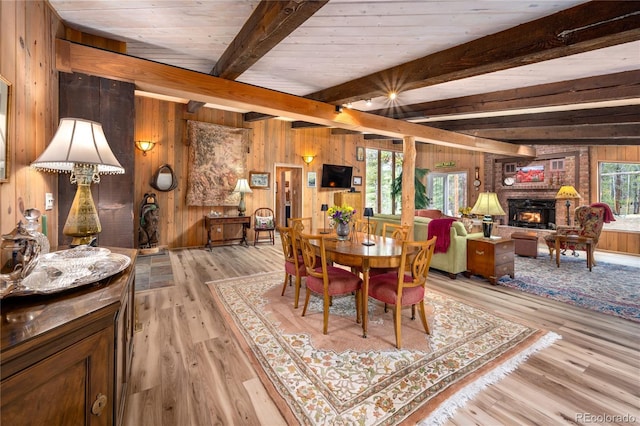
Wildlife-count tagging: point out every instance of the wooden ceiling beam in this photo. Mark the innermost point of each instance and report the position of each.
(579, 142)
(614, 115)
(619, 86)
(269, 24)
(173, 81)
(566, 133)
(585, 27)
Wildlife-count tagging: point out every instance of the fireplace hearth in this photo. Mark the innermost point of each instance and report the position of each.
(532, 213)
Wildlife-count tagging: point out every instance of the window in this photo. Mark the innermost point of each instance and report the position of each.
(619, 187)
(382, 168)
(448, 191)
(556, 165)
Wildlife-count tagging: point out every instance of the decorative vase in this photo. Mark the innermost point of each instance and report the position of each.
(342, 230)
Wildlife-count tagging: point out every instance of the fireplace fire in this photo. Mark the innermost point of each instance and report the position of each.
(532, 213)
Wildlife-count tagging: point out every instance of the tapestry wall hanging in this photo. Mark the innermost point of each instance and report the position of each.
(217, 157)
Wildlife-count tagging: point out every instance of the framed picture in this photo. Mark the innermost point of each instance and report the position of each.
(360, 153)
(4, 129)
(357, 180)
(259, 180)
(311, 179)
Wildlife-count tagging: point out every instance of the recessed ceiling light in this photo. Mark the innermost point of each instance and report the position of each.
(393, 95)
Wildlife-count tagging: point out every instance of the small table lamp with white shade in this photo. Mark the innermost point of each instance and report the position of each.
(80, 147)
(488, 206)
(242, 186)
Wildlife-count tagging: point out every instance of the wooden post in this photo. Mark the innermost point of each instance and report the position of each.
(408, 183)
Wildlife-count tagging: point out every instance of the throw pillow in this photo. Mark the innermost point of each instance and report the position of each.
(264, 222)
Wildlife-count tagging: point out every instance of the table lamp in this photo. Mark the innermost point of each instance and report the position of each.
(488, 206)
(324, 208)
(567, 192)
(242, 186)
(368, 213)
(80, 147)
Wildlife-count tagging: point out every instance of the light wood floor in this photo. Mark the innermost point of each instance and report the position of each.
(189, 370)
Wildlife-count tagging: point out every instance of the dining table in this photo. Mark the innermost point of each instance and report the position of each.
(385, 252)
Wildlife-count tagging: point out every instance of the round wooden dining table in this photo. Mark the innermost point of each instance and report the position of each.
(384, 253)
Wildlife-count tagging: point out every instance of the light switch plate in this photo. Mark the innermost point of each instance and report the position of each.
(48, 201)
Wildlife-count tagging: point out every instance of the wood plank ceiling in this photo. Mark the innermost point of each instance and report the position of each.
(522, 72)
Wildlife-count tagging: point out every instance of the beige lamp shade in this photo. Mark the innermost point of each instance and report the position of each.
(242, 186)
(78, 142)
(567, 192)
(488, 205)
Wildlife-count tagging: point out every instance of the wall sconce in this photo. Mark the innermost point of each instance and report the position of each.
(145, 146)
(308, 158)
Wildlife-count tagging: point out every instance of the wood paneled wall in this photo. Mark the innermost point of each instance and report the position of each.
(617, 241)
(27, 61)
(273, 143)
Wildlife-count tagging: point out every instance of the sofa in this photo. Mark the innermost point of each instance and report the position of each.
(454, 260)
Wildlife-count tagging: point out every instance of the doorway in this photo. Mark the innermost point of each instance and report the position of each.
(288, 193)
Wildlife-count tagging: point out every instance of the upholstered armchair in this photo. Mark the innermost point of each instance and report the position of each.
(589, 221)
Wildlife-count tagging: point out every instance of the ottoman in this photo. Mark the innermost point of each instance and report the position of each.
(525, 243)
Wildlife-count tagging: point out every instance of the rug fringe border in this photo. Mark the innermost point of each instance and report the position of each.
(446, 410)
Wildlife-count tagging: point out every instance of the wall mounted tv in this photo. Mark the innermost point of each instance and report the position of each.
(334, 176)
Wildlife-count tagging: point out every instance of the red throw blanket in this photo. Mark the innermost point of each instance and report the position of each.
(608, 214)
(440, 228)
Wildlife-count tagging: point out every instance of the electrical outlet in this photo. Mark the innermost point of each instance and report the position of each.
(48, 201)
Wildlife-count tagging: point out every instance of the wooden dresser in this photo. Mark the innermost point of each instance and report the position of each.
(490, 258)
(66, 357)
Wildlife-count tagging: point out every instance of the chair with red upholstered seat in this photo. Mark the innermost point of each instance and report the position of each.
(293, 261)
(406, 286)
(324, 279)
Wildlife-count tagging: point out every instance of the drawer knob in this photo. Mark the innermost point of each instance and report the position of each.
(99, 404)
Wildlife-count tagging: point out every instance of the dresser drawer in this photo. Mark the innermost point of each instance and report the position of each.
(504, 247)
(503, 258)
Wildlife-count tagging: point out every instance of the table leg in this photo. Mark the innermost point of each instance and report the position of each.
(589, 255)
(557, 252)
(365, 297)
(244, 235)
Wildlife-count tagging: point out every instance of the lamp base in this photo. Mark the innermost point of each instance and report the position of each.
(89, 240)
(487, 226)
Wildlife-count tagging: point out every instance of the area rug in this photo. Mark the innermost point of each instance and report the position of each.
(342, 378)
(608, 288)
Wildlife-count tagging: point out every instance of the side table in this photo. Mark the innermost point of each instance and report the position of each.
(490, 258)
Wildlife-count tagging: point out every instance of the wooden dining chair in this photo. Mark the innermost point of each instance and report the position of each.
(300, 224)
(366, 227)
(326, 280)
(406, 286)
(398, 232)
(293, 262)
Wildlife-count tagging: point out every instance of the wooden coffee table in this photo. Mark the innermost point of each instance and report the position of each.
(576, 239)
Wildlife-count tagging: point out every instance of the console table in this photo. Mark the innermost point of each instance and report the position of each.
(215, 226)
(66, 357)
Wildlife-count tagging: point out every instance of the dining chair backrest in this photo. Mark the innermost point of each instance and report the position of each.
(288, 241)
(300, 224)
(366, 226)
(311, 257)
(398, 232)
(417, 264)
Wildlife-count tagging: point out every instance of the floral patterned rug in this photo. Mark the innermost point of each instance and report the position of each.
(342, 378)
(608, 288)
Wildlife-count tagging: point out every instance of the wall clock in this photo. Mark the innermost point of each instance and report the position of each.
(476, 182)
(508, 181)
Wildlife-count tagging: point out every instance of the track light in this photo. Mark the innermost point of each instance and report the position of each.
(368, 101)
(338, 109)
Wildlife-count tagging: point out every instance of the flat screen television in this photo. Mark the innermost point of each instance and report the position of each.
(334, 176)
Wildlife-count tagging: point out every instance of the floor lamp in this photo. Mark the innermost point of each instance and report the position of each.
(488, 206)
(368, 213)
(567, 192)
(80, 147)
(324, 208)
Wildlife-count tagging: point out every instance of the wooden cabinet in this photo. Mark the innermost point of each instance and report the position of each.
(490, 258)
(353, 199)
(66, 358)
(219, 229)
